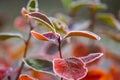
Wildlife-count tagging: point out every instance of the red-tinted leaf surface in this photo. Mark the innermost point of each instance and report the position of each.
(4, 67)
(41, 16)
(79, 50)
(26, 77)
(98, 74)
(84, 34)
(91, 57)
(42, 19)
(70, 68)
(49, 36)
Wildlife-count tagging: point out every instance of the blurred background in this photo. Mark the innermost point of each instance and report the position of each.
(10, 9)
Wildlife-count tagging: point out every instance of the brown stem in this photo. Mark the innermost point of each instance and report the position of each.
(9, 78)
(92, 21)
(59, 49)
(25, 52)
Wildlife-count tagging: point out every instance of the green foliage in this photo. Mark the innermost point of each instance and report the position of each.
(40, 65)
(5, 36)
(32, 5)
(67, 3)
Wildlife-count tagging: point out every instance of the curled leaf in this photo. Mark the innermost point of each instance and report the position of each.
(5, 36)
(42, 19)
(40, 65)
(87, 34)
(109, 19)
(99, 7)
(32, 5)
(112, 35)
(70, 68)
(91, 57)
(24, 12)
(59, 26)
(39, 36)
(49, 36)
(41, 16)
(26, 77)
(76, 5)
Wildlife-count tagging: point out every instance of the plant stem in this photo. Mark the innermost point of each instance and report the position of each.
(59, 49)
(91, 27)
(25, 52)
(9, 78)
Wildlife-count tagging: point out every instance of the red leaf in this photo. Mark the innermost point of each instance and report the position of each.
(91, 57)
(3, 73)
(26, 77)
(41, 16)
(70, 68)
(4, 68)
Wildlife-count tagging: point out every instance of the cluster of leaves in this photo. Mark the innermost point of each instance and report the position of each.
(73, 67)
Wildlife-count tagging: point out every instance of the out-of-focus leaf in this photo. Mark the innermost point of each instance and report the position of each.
(99, 7)
(109, 19)
(70, 68)
(40, 65)
(5, 36)
(42, 19)
(67, 3)
(77, 5)
(91, 57)
(43, 76)
(49, 36)
(4, 68)
(111, 35)
(98, 74)
(87, 34)
(26, 77)
(80, 49)
(15, 52)
(64, 18)
(32, 6)
(96, 6)
(59, 26)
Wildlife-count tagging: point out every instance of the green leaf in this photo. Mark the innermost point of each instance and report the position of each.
(111, 34)
(99, 7)
(67, 3)
(60, 26)
(87, 34)
(76, 5)
(5, 36)
(42, 19)
(32, 5)
(109, 19)
(40, 65)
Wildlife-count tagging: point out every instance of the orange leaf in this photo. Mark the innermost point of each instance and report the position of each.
(26, 77)
(87, 34)
(39, 36)
(97, 74)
